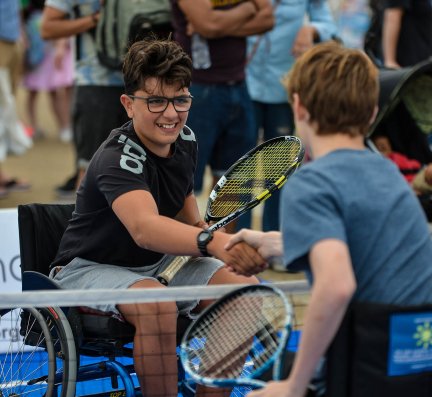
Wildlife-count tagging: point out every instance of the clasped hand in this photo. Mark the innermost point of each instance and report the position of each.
(268, 245)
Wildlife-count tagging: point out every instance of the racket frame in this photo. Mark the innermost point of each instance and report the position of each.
(264, 195)
(274, 360)
(167, 275)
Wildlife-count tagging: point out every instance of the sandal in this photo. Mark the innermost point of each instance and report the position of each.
(15, 185)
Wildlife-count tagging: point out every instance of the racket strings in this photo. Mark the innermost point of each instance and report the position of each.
(241, 328)
(233, 360)
(254, 175)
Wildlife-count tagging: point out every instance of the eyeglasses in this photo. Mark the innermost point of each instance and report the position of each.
(158, 104)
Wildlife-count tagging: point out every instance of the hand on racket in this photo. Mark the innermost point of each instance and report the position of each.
(249, 325)
(248, 182)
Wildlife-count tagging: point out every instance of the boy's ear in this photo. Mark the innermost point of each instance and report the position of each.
(300, 112)
(374, 114)
(127, 104)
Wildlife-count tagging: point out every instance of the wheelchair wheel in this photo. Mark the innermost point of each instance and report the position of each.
(35, 359)
(65, 351)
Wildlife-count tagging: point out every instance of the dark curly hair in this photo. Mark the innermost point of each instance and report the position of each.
(163, 59)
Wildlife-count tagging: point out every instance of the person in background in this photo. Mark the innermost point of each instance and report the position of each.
(48, 66)
(418, 175)
(406, 32)
(270, 55)
(96, 109)
(214, 34)
(13, 138)
(348, 217)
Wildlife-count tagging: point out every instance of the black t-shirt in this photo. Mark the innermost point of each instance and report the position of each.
(415, 38)
(122, 164)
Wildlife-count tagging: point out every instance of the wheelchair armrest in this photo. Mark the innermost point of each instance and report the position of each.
(32, 281)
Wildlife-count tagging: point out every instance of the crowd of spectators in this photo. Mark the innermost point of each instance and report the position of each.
(238, 95)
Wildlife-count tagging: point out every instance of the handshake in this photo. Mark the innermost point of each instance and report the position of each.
(249, 252)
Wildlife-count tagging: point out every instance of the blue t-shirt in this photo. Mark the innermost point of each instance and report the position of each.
(271, 51)
(9, 20)
(361, 198)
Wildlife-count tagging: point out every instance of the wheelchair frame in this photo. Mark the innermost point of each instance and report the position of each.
(62, 336)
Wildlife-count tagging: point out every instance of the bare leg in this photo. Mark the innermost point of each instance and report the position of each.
(66, 94)
(154, 343)
(222, 276)
(31, 109)
(60, 104)
(60, 101)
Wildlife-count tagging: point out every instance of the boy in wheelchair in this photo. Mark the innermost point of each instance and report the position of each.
(348, 216)
(135, 210)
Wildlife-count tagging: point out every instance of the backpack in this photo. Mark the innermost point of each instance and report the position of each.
(122, 22)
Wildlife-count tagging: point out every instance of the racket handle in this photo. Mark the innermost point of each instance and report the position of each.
(168, 274)
(178, 262)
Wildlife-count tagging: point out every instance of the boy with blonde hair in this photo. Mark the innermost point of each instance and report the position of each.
(348, 216)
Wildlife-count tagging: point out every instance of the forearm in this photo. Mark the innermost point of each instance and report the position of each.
(165, 235)
(162, 234)
(391, 31)
(322, 320)
(333, 287)
(138, 212)
(214, 23)
(262, 22)
(55, 25)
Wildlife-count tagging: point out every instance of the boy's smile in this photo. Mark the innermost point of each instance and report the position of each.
(158, 129)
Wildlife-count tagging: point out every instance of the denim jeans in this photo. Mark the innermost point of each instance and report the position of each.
(222, 119)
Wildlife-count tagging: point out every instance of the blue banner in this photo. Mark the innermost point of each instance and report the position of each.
(410, 343)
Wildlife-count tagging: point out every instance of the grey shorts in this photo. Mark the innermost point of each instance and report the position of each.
(83, 274)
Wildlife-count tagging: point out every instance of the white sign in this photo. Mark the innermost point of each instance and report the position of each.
(10, 273)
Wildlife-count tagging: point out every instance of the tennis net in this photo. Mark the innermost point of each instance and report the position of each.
(56, 343)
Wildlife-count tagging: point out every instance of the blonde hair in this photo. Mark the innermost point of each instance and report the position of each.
(338, 86)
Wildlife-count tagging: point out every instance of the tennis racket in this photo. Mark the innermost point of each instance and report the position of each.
(249, 325)
(248, 182)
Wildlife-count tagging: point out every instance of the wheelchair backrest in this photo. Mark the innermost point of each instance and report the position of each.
(41, 227)
(382, 350)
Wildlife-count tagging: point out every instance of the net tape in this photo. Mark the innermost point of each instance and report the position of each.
(73, 298)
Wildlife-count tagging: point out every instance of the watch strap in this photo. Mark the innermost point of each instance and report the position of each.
(202, 243)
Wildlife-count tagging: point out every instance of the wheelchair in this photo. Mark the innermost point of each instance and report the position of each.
(381, 350)
(59, 349)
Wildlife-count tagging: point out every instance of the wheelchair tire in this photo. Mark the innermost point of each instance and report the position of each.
(65, 351)
(34, 360)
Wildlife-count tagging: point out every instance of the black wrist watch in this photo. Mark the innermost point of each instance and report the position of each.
(203, 239)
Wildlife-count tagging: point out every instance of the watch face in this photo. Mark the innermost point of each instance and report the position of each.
(203, 236)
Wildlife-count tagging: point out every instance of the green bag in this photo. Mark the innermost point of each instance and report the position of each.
(122, 22)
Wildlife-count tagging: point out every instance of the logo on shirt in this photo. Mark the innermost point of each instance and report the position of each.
(133, 156)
